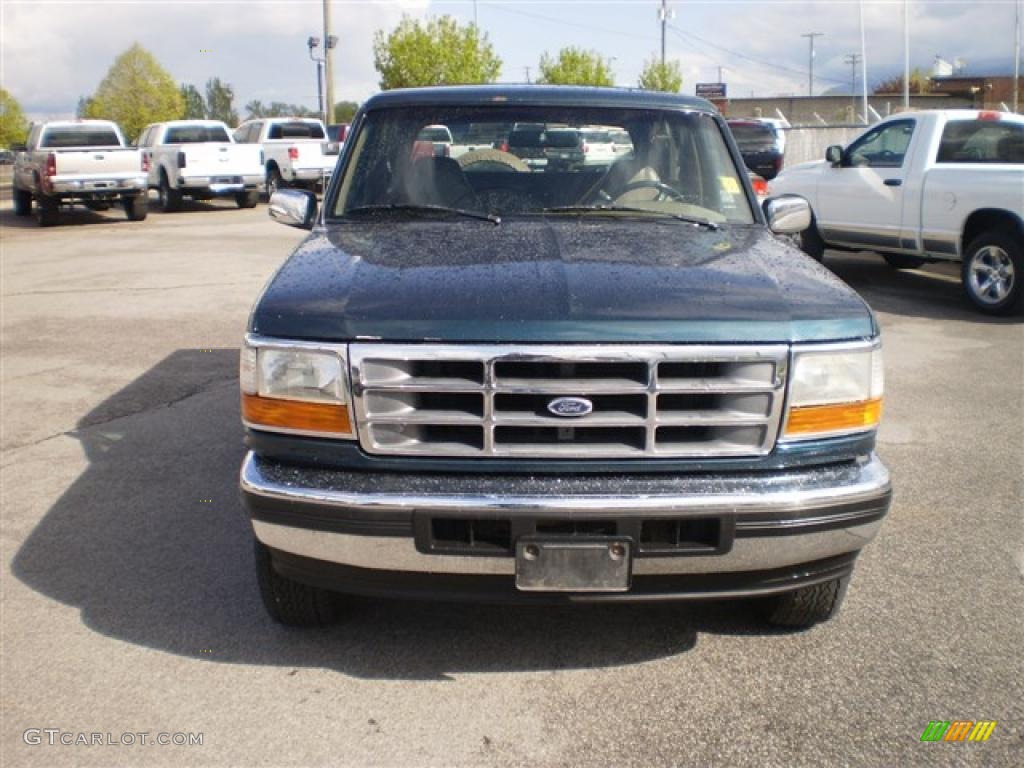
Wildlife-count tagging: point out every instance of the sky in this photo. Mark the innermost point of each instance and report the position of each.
(54, 51)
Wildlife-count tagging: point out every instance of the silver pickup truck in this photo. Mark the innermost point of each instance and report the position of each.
(78, 161)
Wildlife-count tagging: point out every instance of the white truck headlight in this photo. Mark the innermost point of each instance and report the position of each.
(834, 390)
(295, 388)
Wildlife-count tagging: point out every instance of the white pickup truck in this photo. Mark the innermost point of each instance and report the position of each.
(296, 150)
(78, 161)
(199, 159)
(944, 185)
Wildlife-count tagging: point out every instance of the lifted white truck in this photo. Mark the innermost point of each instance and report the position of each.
(943, 185)
(78, 161)
(199, 159)
(296, 151)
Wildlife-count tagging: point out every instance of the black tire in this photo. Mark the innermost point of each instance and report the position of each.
(136, 207)
(248, 199)
(807, 606)
(170, 198)
(274, 181)
(22, 202)
(47, 211)
(988, 255)
(898, 261)
(290, 602)
(811, 242)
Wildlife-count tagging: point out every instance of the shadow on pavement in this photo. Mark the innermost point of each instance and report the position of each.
(79, 215)
(933, 292)
(151, 544)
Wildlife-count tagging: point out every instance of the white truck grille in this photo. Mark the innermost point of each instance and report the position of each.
(493, 401)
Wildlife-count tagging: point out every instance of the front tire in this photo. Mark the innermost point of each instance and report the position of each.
(812, 243)
(248, 199)
(993, 271)
(136, 207)
(22, 202)
(807, 606)
(290, 602)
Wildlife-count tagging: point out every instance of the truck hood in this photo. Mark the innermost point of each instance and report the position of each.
(595, 279)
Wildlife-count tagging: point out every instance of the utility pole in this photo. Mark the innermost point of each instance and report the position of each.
(720, 68)
(664, 16)
(863, 64)
(329, 42)
(476, 22)
(527, 70)
(810, 81)
(853, 60)
(1016, 56)
(906, 54)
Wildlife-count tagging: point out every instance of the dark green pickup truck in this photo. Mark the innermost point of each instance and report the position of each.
(482, 379)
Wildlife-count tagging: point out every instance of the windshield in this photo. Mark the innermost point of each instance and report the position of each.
(58, 137)
(658, 162)
(300, 129)
(195, 134)
(753, 134)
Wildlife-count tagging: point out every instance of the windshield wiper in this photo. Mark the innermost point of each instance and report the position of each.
(630, 209)
(431, 208)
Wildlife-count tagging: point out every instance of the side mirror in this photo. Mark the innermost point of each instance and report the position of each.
(834, 155)
(787, 214)
(294, 207)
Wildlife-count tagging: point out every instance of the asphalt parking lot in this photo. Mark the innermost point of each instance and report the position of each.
(129, 603)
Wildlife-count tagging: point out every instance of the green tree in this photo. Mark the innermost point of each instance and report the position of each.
(220, 99)
(136, 91)
(666, 77)
(575, 66)
(344, 111)
(919, 83)
(195, 107)
(257, 108)
(13, 125)
(438, 52)
(82, 110)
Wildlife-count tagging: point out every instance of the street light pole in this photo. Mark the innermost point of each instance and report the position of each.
(663, 15)
(863, 65)
(313, 43)
(328, 63)
(1016, 56)
(906, 54)
(810, 81)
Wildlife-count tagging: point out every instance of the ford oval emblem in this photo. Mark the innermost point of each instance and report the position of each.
(570, 406)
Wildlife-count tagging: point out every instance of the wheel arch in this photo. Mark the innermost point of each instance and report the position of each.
(989, 219)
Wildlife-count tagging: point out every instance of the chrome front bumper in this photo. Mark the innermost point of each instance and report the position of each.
(776, 520)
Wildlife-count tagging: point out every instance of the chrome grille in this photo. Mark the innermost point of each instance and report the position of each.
(491, 401)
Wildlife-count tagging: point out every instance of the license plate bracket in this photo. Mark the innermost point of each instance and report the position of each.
(573, 564)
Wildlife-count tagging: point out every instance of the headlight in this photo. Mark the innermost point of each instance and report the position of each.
(834, 390)
(295, 388)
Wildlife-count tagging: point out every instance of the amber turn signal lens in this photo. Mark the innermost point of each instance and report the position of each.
(839, 417)
(275, 413)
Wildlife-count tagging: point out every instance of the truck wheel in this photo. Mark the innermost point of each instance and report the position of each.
(805, 607)
(290, 602)
(898, 261)
(47, 211)
(22, 202)
(248, 199)
(811, 242)
(170, 198)
(992, 272)
(136, 207)
(274, 181)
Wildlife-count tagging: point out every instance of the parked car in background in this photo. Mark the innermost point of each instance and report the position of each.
(433, 141)
(527, 143)
(336, 134)
(78, 161)
(198, 159)
(6, 157)
(941, 185)
(473, 382)
(599, 149)
(295, 151)
(759, 147)
(564, 149)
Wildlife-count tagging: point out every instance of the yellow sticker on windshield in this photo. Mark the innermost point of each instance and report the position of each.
(729, 184)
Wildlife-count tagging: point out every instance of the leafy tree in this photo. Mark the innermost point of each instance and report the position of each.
(195, 107)
(13, 125)
(136, 91)
(344, 111)
(257, 108)
(919, 83)
(220, 101)
(575, 66)
(82, 110)
(438, 52)
(666, 77)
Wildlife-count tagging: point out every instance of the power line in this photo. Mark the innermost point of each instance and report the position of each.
(810, 76)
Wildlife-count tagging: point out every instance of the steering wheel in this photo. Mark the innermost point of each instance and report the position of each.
(665, 192)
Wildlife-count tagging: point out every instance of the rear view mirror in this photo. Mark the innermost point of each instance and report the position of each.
(834, 155)
(787, 214)
(294, 207)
